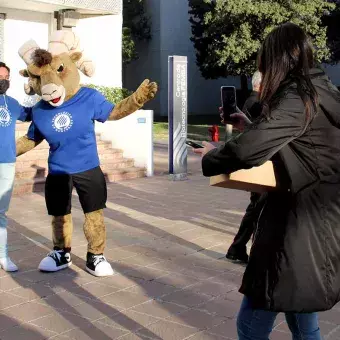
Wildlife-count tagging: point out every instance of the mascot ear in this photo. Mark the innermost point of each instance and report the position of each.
(24, 73)
(75, 56)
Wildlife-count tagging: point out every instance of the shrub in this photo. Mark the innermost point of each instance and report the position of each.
(112, 94)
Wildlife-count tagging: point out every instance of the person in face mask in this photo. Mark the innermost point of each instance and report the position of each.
(10, 112)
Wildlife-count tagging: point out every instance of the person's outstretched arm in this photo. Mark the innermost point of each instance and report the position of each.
(259, 142)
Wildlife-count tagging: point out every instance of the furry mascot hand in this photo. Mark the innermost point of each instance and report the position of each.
(146, 91)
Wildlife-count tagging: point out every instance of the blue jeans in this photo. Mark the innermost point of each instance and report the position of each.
(256, 324)
(7, 174)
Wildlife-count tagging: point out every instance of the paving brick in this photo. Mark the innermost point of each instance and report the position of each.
(95, 331)
(334, 335)
(147, 273)
(60, 322)
(177, 280)
(207, 336)
(94, 290)
(166, 330)
(186, 298)
(120, 281)
(26, 332)
(129, 320)
(92, 310)
(34, 292)
(28, 311)
(197, 318)
(210, 288)
(227, 329)
(221, 307)
(8, 300)
(159, 309)
(7, 322)
(124, 299)
(152, 289)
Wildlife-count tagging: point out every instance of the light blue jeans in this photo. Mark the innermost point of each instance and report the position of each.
(255, 324)
(7, 174)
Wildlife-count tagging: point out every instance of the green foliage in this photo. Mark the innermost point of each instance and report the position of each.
(332, 21)
(128, 46)
(112, 94)
(136, 27)
(227, 34)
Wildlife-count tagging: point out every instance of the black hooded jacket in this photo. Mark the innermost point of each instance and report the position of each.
(294, 264)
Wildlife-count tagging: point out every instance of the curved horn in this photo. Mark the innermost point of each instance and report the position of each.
(68, 42)
(26, 51)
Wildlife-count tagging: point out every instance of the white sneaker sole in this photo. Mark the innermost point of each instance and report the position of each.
(99, 274)
(49, 270)
(9, 270)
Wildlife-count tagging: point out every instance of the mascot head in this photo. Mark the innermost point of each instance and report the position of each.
(53, 74)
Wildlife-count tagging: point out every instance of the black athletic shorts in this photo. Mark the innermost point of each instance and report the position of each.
(90, 186)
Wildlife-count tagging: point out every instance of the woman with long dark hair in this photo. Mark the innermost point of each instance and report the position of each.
(294, 264)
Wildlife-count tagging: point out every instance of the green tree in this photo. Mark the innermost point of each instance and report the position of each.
(136, 27)
(227, 34)
(332, 22)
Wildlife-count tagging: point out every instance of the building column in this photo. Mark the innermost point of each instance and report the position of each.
(2, 36)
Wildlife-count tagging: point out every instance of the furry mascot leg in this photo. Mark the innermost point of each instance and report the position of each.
(60, 257)
(95, 233)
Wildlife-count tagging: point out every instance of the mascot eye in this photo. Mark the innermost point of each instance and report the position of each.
(61, 68)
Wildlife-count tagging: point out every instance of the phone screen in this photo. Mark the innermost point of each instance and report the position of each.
(228, 98)
(194, 145)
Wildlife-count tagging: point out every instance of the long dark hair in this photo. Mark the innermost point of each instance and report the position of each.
(286, 57)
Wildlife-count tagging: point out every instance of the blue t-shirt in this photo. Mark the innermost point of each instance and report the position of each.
(69, 130)
(10, 112)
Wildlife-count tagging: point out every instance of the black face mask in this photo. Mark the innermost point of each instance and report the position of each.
(4, 85)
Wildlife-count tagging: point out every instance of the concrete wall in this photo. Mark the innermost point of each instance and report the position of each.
(21, 26)
(171, 32)
(100, 37)
(139, 126)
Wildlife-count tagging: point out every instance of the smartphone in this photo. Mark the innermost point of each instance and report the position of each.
(228, 99)
(194, 145)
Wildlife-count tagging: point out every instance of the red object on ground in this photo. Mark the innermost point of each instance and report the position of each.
(214, 133)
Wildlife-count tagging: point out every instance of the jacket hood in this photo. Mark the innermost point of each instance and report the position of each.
(329, 95)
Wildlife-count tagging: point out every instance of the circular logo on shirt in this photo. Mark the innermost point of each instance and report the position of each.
(5, 117)
(62, 121)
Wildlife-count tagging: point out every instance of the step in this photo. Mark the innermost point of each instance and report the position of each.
(37, 155)
(22, 163)
(25, 186)
(29, 162)
(125, 174)
(31, 172)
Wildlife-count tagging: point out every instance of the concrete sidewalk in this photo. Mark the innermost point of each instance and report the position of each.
(166, 241)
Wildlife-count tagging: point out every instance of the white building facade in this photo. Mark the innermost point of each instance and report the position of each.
(98, 24)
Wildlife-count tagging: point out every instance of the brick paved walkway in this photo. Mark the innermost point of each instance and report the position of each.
(166, 241)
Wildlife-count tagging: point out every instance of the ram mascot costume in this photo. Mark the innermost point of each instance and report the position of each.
(65, 117)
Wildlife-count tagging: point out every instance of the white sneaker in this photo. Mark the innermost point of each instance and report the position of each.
(97, 265)
(55, 260)
(7, 265)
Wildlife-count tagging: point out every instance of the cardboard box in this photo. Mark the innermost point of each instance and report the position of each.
(258, 179)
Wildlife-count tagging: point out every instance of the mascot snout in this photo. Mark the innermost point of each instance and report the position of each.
(53, 94)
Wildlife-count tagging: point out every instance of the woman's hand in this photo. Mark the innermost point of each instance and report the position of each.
(207, 147)
(240, 120)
